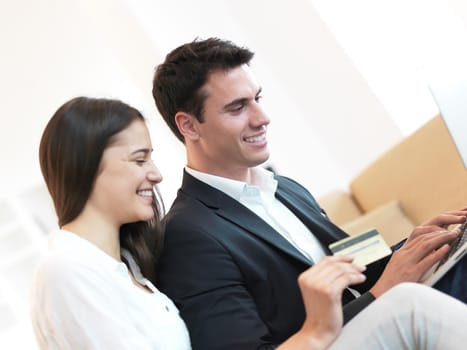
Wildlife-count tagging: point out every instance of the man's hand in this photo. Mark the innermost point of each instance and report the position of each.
(322, 286)
(427, 244)
(440, 223)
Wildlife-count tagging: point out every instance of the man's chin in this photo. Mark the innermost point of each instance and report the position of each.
(259, 160)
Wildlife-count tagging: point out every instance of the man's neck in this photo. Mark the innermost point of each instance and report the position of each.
(239, 174)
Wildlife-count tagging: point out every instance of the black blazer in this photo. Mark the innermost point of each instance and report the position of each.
(233, 277)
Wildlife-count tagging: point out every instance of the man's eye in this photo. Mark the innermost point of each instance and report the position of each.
(140, 161)
(237, 108)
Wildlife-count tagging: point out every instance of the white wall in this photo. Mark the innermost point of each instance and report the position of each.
(316, 97)
(327, 120)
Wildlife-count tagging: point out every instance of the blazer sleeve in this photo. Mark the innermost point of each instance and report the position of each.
(207, 286)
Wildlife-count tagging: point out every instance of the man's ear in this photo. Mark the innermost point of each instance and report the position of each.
(188, 125)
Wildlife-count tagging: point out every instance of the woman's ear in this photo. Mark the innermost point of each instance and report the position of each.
(187, 125)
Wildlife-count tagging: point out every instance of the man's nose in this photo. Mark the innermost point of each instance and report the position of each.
(259, 117)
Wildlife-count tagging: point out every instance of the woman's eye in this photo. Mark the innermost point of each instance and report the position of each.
(140, 161)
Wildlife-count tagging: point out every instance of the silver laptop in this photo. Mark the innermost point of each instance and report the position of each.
(457, 252)
(449, 91)
(450, 94)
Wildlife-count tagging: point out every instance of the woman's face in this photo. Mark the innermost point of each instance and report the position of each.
(123, 190)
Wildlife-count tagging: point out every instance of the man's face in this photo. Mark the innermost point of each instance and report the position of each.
(232, 137)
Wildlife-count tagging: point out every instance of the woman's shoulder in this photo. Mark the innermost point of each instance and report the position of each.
(67, 260)
(61, 268)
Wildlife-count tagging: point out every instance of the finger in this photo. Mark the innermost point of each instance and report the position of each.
(330, 289)
(424, 230)
(428, 261)
(329, 261)
(331, 270)
(331, 264)
(460, 212)
(447, 219)
(347, 259)
(350, 279)
(339, 258)
(428, 231)
(344, 277)
(426, 244)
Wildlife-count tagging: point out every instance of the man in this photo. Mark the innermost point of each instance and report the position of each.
(237, 237)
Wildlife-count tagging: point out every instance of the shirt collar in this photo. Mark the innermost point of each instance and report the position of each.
(261, 179)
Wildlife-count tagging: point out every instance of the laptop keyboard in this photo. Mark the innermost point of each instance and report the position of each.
(456, 244)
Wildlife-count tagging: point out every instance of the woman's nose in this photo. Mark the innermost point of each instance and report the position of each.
(153, 174)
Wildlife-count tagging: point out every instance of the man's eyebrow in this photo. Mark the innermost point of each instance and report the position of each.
(142, 150)
(260, 90)
(238, 101)
(241, 100)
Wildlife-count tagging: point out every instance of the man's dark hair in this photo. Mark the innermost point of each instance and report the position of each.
(178, 81)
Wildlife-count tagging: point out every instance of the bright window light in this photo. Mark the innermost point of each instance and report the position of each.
(398, 46)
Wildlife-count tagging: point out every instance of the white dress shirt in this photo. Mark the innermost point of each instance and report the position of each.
(260, 198)
(82, 298)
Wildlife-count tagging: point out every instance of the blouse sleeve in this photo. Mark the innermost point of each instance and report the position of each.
(75, 306)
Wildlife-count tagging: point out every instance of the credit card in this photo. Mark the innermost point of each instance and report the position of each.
(366, 247)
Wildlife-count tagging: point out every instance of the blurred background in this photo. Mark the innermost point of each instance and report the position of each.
(342, 82)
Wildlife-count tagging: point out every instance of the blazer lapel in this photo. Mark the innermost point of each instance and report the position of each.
(310, 215)
(240, 215)
(233, 211)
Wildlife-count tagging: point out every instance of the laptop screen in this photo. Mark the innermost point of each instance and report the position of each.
(450, 94)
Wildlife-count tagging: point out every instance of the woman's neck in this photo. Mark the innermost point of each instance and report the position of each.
(97, 231)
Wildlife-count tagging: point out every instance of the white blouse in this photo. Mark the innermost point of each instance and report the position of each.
(82, 298)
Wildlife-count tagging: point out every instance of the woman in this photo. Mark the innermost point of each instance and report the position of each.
(92, 290)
